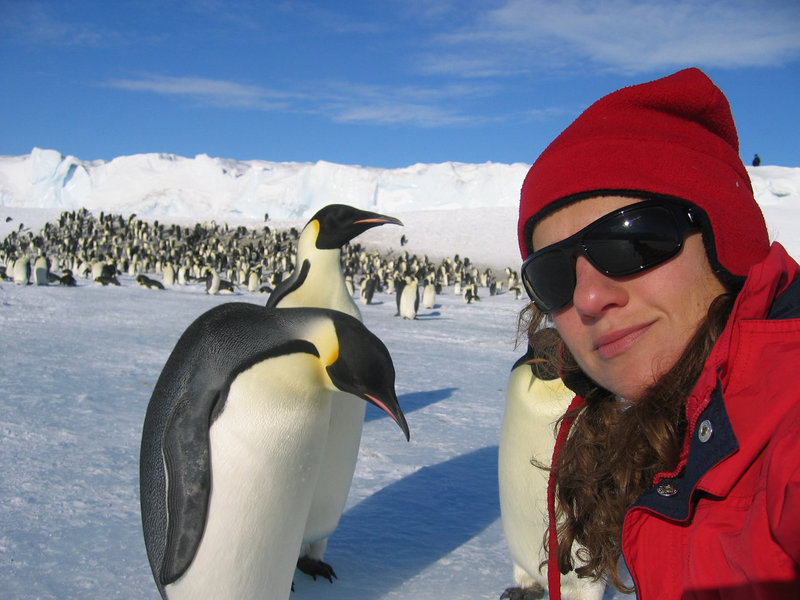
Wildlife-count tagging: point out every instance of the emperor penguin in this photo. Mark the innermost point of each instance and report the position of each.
(368, 289)
(40, 271)
(408, 299)
(212, 282)
(234, 441)
(253, 281)
(535, 399)
(84, 269)
(98, 270)
(22, 270)
(318, 281)
(348, 282)
(168, 275)
(429, 295)
(182, 272)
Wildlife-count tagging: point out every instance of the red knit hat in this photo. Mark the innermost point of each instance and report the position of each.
(672, 137)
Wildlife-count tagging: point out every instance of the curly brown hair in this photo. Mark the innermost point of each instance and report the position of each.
(615, 448)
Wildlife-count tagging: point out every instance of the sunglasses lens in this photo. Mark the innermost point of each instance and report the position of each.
(621, 244)
(554, 277)
(634, 241)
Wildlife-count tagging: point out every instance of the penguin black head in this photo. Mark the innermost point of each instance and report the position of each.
(340, 223)
(364, 368)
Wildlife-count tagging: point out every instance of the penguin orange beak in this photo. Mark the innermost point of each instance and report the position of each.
(394, 412)
(383, 220)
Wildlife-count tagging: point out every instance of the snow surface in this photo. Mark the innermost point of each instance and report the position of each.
(422, 520)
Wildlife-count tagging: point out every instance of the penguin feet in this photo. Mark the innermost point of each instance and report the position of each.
(316, 568)
(534, 592)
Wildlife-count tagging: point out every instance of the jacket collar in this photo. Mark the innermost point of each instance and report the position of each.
(711, 432)
(765, 282)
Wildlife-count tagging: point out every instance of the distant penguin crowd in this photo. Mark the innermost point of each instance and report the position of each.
(110, 250)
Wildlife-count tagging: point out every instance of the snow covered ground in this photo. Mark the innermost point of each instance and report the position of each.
(422, 520)
(79, 366)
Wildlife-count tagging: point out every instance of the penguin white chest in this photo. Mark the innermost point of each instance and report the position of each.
(266, 450)
(429, 296)
(532, 409)
(409, 301)
(533, 406)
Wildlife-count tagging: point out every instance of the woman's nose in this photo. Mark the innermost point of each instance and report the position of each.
(594, 292)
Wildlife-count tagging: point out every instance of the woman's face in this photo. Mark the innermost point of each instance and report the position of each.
(627, 332)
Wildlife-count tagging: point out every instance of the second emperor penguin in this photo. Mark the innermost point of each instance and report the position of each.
(318, 281)
(535, 399)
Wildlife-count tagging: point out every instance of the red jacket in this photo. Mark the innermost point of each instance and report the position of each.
(726, 523)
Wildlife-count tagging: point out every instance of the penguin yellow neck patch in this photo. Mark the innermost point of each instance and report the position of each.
(309, 236)
(334, 355)
(322, 333)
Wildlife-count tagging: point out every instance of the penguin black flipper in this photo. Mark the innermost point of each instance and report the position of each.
(188, 396)
(188, 465)
(290, 284)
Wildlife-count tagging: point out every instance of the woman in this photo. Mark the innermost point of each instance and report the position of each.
(680, 335)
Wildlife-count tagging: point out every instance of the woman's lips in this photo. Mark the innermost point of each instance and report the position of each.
(615, 343)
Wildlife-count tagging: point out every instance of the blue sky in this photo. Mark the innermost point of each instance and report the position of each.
(385, 83)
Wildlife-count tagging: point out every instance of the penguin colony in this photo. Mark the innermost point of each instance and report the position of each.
(101, 250)
(80, 248)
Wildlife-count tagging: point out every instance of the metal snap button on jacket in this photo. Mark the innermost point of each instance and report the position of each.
(704, 431)
(667, 489)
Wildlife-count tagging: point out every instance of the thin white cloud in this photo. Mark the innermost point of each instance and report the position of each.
(422, 106)
(214, 92)
(421, 115)
(339, 101)
(621, 35)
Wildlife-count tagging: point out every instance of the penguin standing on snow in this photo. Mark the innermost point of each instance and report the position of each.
(368, 289)
(215, 285)
(168, 275)
(407, 298)
(22, 270)
(318, 281)
(535, 399)
(41, 268)
(429, 295)
(234, 439)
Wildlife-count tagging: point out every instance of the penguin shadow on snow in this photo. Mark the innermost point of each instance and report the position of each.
(402, 529)
(412, 402)
(429, 316)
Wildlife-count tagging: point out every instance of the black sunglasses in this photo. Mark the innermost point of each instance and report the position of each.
(624, 242)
